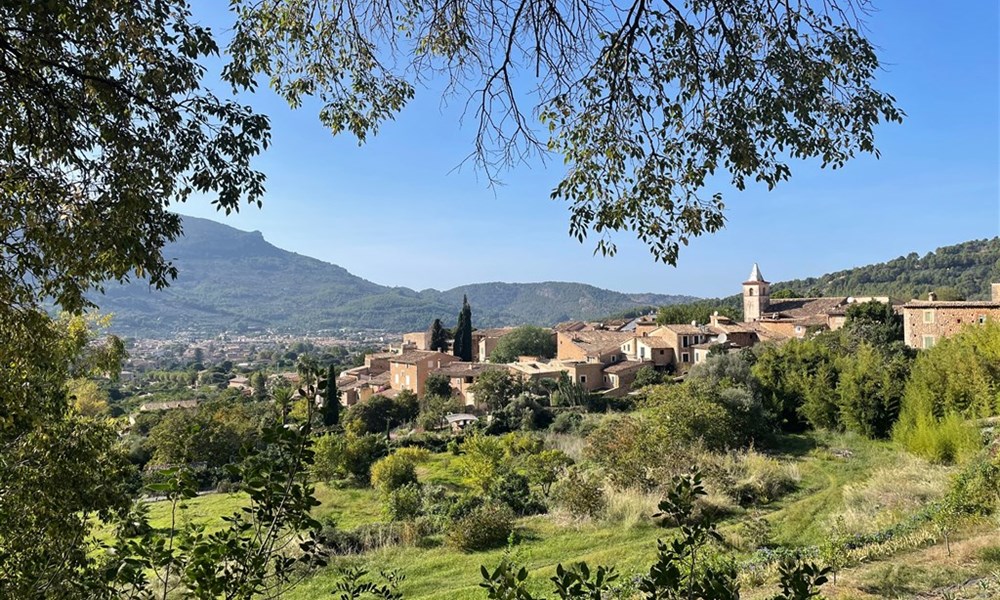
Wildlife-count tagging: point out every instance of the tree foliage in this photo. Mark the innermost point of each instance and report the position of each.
(955, 380)
(644, 104)
(462, 347)
(496, 388)
(439, 337)
(527, 340)
(130, 129)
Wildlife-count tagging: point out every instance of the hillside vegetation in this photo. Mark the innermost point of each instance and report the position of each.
(232, 280)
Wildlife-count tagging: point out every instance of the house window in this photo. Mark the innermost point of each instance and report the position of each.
(684, 341)
(928, 341)
(397, 377)
(751, 291)
(661, 351)
(605, 379)
(642, 353)
(928, 316)
(583, 379)
(468, 380)
(685, 357)
(614, 358)
(982, 319)
(407, 380)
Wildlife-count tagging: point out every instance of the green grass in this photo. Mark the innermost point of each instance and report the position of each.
(826, 462)
(348, 507)
(441, 573)
(833, 462)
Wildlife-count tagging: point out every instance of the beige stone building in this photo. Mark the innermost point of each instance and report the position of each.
(462, 375)
(409, 370)
(926, 322)
(591, 346)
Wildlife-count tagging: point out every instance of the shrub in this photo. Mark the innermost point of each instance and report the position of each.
(581, 494)
(976, 490)
(512, 489)
(404, 503)
(485, 527)
(393, 472)
(339, 456)
(942, 441)
(414, 454)
(566, 422)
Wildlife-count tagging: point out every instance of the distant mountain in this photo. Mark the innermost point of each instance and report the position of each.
(965, 270)
(232, 280)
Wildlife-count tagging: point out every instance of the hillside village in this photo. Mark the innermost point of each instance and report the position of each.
(604, 357)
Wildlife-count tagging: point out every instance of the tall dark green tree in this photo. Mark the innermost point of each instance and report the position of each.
(331, 401)
(463, 332)
(439, 337)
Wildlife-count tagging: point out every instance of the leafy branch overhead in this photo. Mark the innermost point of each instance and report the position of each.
(645, 101)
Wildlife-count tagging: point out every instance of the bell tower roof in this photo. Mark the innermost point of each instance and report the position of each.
(755, 276)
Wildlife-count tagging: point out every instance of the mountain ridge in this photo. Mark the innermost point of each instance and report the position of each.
(234, 280)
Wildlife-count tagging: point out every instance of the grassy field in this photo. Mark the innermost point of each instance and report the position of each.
(844, 479)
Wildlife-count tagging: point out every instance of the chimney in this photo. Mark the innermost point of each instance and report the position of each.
(995, 292)
(931, 297)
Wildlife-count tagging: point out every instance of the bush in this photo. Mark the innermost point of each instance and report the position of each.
(404, 503)
(432, 442)
(512, 489)
(976, 490)
(567, 422)
(581, 494)
(338, 456)
(485, 527)
(393, 472)
(942, 441)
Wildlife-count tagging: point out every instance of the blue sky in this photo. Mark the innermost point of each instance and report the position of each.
(396, 210)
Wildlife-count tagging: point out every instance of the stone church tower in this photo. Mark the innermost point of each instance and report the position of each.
(756, 296)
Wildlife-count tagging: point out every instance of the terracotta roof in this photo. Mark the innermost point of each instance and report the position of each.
(597, 342)
(626, 366)
(808, 310)
(654, 342)
(571, 326)
(535, 367)
(466, 369)
(494, 332)
(687, 329)
(951, 304)
(380, 379)
(412, 357)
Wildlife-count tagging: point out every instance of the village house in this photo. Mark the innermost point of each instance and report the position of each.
(484, 341)
(591, 346)
(409, 370)
(618, 378)
(926, 322)
(462, 375)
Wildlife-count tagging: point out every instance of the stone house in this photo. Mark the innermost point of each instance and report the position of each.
(409, 370)
(591, 346)
(926, 322)
(462, 375)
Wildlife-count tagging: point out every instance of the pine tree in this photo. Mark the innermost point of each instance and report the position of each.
(439, 337)
(331, 401)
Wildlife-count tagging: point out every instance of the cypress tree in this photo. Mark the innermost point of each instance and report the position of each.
(463, 332)
(439, 338)
(331, 401)
(456, 347)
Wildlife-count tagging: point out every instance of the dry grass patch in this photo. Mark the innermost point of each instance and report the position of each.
(891, 494)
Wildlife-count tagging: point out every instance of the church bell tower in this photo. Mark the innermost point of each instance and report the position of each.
(756, 296)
